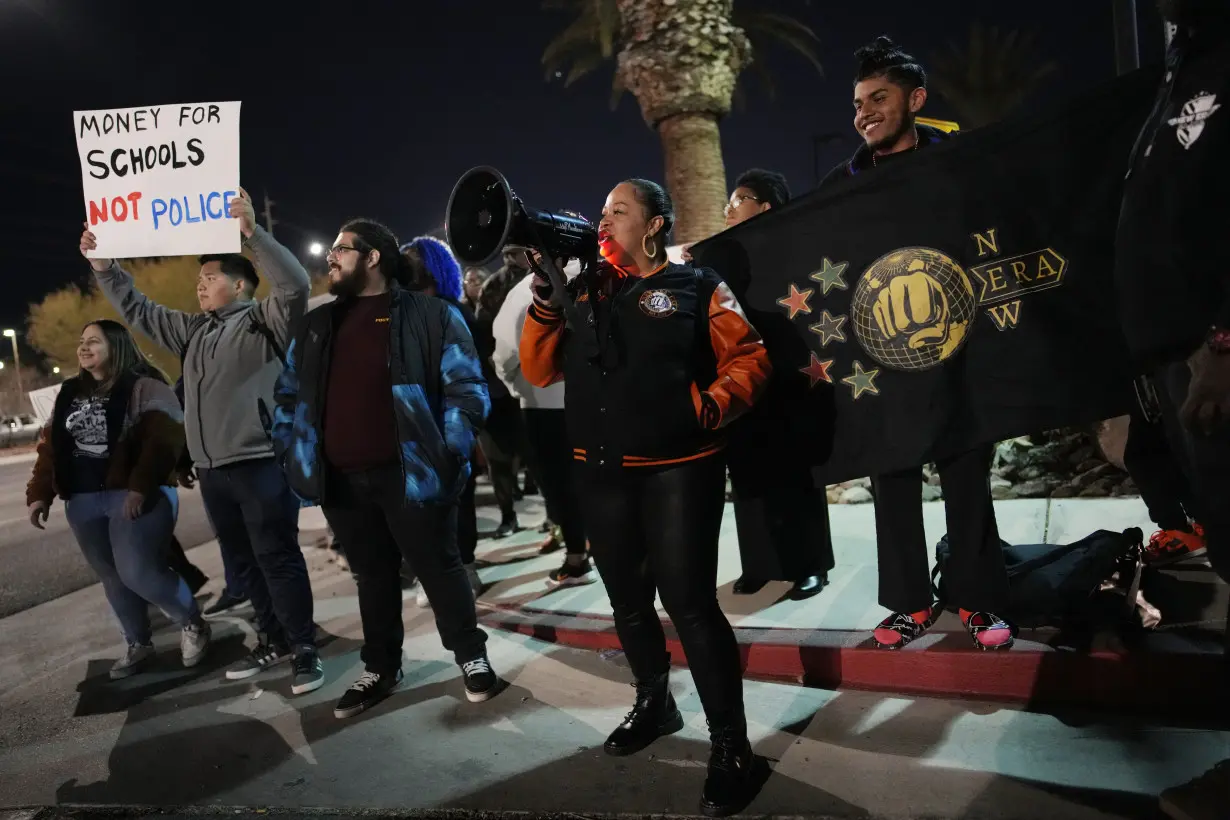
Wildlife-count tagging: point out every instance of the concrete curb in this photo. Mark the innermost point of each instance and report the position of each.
(942, 665)
(20, 458)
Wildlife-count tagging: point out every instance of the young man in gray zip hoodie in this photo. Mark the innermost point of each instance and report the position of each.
(232, 353)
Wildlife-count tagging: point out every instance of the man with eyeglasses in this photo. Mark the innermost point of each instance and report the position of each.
(231, 354)
(378, 409)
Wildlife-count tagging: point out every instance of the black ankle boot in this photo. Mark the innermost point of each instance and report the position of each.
(653, 716)
(728, 785)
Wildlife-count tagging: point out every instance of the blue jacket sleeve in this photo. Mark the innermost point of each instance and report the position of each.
(466, 401)
(285, 396)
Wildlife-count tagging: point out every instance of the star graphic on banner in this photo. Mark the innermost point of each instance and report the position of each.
(831, 275)
(796, 301)
(829, 328)
(862, 381)
(818, 370)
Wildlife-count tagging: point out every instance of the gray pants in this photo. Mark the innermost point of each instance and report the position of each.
(130, 558)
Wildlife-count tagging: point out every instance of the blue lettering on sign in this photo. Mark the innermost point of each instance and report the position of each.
(188, 210)
(209, 211)
(178, 210)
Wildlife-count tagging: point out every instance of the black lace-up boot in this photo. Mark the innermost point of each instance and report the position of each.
(654, 715)
(729, 782)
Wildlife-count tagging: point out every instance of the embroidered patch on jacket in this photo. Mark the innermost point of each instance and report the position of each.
(658, 303)
(1190, 122)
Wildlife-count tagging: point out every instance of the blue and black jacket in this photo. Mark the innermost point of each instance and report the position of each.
(439, 397)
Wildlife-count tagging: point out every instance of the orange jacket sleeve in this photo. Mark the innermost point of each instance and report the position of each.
(542, 345)
(742, 362)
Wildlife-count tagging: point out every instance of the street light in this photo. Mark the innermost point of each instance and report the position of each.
(55, 371)
(12, 334)
(316, 249)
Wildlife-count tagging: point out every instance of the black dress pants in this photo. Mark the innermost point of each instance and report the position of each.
(976, 579)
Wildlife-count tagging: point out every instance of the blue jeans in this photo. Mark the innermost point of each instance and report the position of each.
(130, 558)
(256, 519)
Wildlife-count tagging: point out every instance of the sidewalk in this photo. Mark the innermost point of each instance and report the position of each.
(177, 737)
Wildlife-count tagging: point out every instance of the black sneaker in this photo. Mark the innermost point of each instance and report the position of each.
(571, 574)
(366, 692)
(309, 672)
(480, 679)
(225, 601)
(262, 657)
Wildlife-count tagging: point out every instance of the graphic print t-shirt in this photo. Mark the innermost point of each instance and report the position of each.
(87, 425)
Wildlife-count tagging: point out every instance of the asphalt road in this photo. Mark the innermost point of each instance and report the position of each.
(41, 565)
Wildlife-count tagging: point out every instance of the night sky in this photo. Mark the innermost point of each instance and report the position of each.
(375, 108)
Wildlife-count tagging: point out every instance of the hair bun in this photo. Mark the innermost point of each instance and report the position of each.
(881, 53)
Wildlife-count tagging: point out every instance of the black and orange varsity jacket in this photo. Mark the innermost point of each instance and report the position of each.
(678, 362)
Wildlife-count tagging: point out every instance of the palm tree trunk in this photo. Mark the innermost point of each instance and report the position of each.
(695, 174)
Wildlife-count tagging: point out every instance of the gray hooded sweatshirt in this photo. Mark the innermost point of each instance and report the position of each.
(230, 368)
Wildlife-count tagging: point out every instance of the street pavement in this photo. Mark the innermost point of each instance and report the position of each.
(42, 565)
(175, 738)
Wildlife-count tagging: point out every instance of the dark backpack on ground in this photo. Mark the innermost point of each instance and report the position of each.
(1056, 584)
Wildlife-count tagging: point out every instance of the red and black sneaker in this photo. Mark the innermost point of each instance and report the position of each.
(988, 631)
(1168, 546)
(900, 628)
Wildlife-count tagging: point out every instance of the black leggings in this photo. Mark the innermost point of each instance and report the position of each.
(657, 532)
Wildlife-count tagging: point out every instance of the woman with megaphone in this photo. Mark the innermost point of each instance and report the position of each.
(664, 362)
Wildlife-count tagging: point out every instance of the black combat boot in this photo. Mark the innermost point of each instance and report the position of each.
(654, 715)
(729, 782)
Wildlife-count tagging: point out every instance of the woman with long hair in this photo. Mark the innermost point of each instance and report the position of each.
(110, 451)
(661, 362)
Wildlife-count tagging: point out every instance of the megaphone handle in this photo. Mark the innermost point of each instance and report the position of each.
(559, 285)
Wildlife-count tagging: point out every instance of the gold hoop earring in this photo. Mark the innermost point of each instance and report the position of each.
(652, 250)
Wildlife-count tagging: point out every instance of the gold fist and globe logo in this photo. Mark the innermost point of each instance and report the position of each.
(913, 308)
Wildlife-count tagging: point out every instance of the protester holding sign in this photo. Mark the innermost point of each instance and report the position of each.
(889, 91)
(232, 356)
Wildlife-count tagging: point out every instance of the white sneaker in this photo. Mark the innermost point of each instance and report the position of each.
(130, 664)
(421, 598)
(476, 583)
(193, 642)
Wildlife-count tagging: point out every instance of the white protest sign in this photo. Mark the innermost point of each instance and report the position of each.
(158, 181)
(43, 401)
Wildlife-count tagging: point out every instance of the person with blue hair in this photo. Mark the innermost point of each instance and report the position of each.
(434, 270)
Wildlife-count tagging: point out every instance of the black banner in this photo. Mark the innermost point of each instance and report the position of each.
(954, 297)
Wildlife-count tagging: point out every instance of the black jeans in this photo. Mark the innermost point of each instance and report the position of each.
(467, 520)
(783, 525)
(256, 518)
(501, 443)
(368, 511)
(1204, 460)
(657, 532)
(976, 578)
(549, 457)
(1163, 486)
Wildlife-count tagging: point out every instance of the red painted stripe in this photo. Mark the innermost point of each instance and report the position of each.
(1173, 684)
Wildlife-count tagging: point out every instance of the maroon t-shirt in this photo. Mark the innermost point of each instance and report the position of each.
(359, 429)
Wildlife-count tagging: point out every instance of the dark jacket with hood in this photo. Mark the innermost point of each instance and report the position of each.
(862, 161)
(1172, 276)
